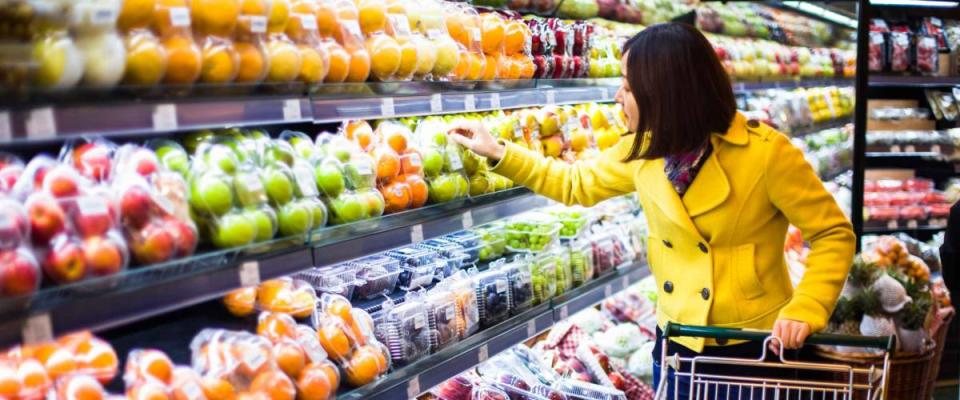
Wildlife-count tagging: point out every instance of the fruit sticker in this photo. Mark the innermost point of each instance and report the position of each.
(179, 17)
(258, 24)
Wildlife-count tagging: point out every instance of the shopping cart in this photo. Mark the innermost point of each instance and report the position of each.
(770, 380)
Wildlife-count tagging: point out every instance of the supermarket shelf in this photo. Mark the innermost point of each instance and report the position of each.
(892, 81)
(789, 84)
(929, 230)
(915, 160)
(832, 124)
(420, 376)
(145, 292)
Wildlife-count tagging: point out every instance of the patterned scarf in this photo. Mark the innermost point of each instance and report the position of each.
(682, 168)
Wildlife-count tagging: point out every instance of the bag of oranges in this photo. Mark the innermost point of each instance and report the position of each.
(346, 334)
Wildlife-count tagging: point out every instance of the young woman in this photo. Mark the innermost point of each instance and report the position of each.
(718, 192)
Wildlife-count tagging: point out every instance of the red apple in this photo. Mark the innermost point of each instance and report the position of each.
(103, 256)
(61, 182)
(135, 206)
(13, 224)
(46, 218)
(144, 161)
(8, 176)
(65, 262)
(185, 234)
(19, 273)
(93, 216)
(93, 161)
(154, 243)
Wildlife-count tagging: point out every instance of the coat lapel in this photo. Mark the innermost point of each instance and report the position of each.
(657, 187)
(710, 188)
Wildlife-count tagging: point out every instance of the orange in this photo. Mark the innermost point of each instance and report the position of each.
(514, 37)
(372, 16)
(275, 385)
(9, 385)
(162, 21)
(254, 7)
(490, 67)
(148, 391)
(186, 384)
(408, 58)
(388, 163)
(411, 163)
(301, 12)
(326, 19)
(339, 62)
(527, 67)
(314, 384)
(240, 302)
(253, 62)
(340, 307)
(146, 59)
(476, 67)
(315, 65)
(135, 14)
(334, 341)
(214, 17)
(515, 67)
(276, 326)
(303, 303)
(220, 62)
(80, 387)
(290, 357)
(253, 358)
(252, 396)
(491, 33)
(384, 56)
(60, 363)
(397, 196)
(278, 16)
(79, 342)
(360, 132)
(284, 60)
(41, 352)
(463, 64)
(363, 367)
(457, 25)
(503, 67)
(396, 140)
(184, 60)
(418, 190)
(156, 364)
(102, 359)
(333, 375)
(359, 66)
(33, 376)
(216, 388)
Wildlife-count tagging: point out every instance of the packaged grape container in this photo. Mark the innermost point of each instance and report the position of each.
(493, 296)
(561, 256)
(468, 311)
(339, 279)
(408, 333)
(581, 262)
(578, 390)
(487, 391)
(531, 233)
(452, 252)
(441, 306)
(543, 272)
(379, 275)
(492, 242)
(572, 220)
(521, 284)
(460, 387)
(418, 266)
(471, 243)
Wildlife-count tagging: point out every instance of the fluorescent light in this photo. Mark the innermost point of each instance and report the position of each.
(916, 3)
(821, 12)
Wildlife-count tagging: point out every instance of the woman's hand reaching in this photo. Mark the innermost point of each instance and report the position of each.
(475, 137)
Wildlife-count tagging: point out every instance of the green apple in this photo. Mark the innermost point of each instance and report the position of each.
(210, 193)
(463, 186)
(440, 138)
(330, 179)
(349, 208)
(173, 157)
(301, 143)
(295, 219)
(318, 210)
(249, 189)
(443, 188)
(192, 141)
(221, 157)
(375, 203)
(279, 184)
(265, 220)
(359, 172)
(472, 163)
(234, 230)
(432, 162)
(479, 184)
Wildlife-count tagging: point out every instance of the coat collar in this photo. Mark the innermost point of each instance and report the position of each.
(737, 133)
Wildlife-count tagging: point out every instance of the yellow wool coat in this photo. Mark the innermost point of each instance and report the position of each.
(717, 253)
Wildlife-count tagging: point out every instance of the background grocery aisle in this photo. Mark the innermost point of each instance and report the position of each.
(262, 190)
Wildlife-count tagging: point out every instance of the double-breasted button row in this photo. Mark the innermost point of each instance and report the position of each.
(701, 246)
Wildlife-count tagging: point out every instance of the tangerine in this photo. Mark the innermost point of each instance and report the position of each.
(408, 58)
(290, 358)
(339, 306)
(148, 391)
(33, 377)
(60, 363)
(411, 163)
(514, 37)
(214, 17)
(397, 140)
(477, 64)
(334, 341)
(396, 196)
(503, 66)
(491, 33)
(102, 359)
(252, 396)
(155, 364)
(276, 326)
(314, 384)
(146, 59)
(220, 62)
(388, 163)
(164, 23)
(463, 64)
(339, 62)
(284, 60)
(217, 388)
(253, 358)
(326, 19)
(315, 63)
(9, 385)
(372, 16)
(253, 62)
(254, 7)
(359, 66)
(384, 56)
(333, 374)
(457, 25)
(79, 342)
(490, 67)
(135, 14)
(363, 367)
(360, 132)
(515, 67)
(80, 387)
(303, 303)
(240, 302)
(278, 16)
(418, 190)
(184, 59)
(275, 385)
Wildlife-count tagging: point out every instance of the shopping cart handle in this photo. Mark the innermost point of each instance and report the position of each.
(887, 343)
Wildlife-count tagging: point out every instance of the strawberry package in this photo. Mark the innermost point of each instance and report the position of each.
(927, 58)
(877, 46)
(898, 49)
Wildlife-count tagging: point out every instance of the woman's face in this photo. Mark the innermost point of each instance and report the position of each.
(625, 97)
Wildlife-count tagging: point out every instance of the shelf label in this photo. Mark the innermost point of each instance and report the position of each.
(892, 224)
(564, 312)
(250, 273)
(910, 148)
(37, 329)
(413, 387)
(933, 148)
(607, 290)
(531, 328)
(165, 117)
(386, 107)
(912, 224)
(626, 282)
(604, 93)
(895, 148)
(291, 110)
(495, 101)
(468, 219)
(6, 130)
(179, 17)
(258, 24)
(551, 97)
(436, 103)
(483, 353)
(416, 234)
(469, 102)
(41, 124)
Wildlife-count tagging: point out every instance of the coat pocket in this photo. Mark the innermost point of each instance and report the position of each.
(745, 267)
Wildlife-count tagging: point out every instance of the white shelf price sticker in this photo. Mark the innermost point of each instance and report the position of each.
(165, 117)
(37, 329)
(604, 93)
(467, 219)
(291, 110)
(387, 108)
(933, 149)
(495, 101)
(436, 103)
(6, 131)
(892, 224)
(551, 97)
(607, 290)
(469, 102)
(564, 312)
(413, 387)
(626, 282)
(531, 328)
(41, 124)
(912, 224)
(909, 148)
(250, 273)
(416, 234)
(483, 353)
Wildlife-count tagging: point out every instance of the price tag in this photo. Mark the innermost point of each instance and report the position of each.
(502, 286)
(495, 101)
(551, 97)
(311, 346)
(474, 34)
(413, 387)
(103, 14)
(416, 234)
(892, 224)
(933, 148)
(626, 282)
(6, 130)
(41, 124)
(386, 107)
(564, 312)
(895, 148)
(909, 148)
(467, 219)
(258, 24)
(531, 328)
(37, 329)
(912, 224)
(400, 23)
(250, 273)
(607, 291)
(165, 117)
(450, 313)
(179, 17)
(483, 353)
(309, 22)
(604, 93)
(352, 27)
(469, 102)
(291, 110)
(419, 321)
(455, 162)
(436, 103)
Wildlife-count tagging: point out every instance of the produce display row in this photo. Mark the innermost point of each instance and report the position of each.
(912, 203)
(794, 111)
(914, 47)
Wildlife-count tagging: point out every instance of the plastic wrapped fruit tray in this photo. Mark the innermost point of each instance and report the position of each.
(378, 274)
(338, 279)
(530, 235)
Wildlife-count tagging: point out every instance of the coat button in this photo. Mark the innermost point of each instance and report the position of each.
(705, 293)
(668, 287)
(753, 123)
(722, 341)
(702, 247)
(667, 243)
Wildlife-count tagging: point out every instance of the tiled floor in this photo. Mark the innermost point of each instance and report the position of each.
(947, 393)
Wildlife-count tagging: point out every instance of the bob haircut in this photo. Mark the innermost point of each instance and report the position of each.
(683, 93)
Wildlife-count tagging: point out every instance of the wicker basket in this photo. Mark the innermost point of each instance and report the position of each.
(911, 375)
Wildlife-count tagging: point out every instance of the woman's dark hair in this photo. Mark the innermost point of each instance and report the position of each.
(683, 93)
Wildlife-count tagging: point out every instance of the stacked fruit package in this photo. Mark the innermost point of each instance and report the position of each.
(521, 284)
(302, 28)
(442, 161)
(150, 374)
(401, 14)
(464, 26)
(350, 36)
(346, 334)
(19, 270)
(413, 54)
(493, 296)
(561, 49)
(405, 329)
(462, 287)
(94, 26)
(291, 186)
(442, 313)
(229, 362)
(59, 62)
(283, 295)
(492, 242)
(253, 63)
(399, 168)
(346, 175)
(482, 181)
(172, 23)
(298, 354)
(76, 363)
(214, 23)
(427, 17)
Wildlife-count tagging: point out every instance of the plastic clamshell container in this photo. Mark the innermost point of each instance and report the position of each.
(572, 220)
(581, 262)
(493, 296)
(543, 276)
(471, 243)
(531, 234)
(579, 390)
(408, 334)
(452, 252)
(414, 256)
(442, 314)
(492, 243)
(338, 279)
(521, 285)
(413, 277)
(378, 274)
(561, 255)
(604, 254)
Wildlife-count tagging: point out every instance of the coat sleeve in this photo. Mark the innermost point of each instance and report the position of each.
(584, 182)
(796, 190)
